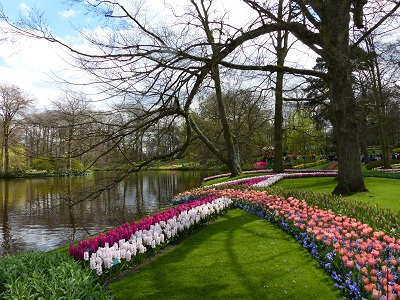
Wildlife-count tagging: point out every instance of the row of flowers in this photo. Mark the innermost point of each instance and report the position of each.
(269, 171)
(147, 235)
(395, 169)
(363, 263)
(311, 164)
(229, 174)
(268, 180)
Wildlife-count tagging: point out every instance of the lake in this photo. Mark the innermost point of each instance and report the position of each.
(46, 213)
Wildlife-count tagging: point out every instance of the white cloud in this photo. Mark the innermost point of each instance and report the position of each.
(31, 64)
(24, 8)
(68, 13)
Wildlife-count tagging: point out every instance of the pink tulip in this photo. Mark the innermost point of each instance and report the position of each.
(384, 269)
(375, 253)
(383, 281)
(350, 263)
(371, 261)
(365, 280)
(374, 272)
(391, 296)
(376, 294)
(364, 270)
(396, 287)
(361, 261)
(370, 287)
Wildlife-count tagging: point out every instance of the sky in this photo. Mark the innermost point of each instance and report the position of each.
(30, 63)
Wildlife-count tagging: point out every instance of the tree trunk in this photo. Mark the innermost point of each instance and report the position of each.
(233, 155)
(6, 146)
(278, 125)
(281, 51)
(363, 146)
(380, 104)
(335, 33)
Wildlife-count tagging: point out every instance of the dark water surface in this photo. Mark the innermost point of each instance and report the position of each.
(36, 214)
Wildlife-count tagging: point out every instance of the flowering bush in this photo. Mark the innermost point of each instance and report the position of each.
(268, 152)
(260, 165)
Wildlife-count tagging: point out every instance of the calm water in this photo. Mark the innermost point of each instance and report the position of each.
(45, 213)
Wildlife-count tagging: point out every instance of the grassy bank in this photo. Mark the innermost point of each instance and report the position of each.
(383, 192)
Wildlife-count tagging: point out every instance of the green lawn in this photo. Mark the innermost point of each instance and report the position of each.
(241, 256)
(383, 192)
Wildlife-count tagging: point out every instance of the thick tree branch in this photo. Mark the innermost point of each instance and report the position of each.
(273, 69)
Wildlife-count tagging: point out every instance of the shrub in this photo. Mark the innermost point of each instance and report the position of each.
(42, 164)
(396, 150)
(55, 164)
(374, 164)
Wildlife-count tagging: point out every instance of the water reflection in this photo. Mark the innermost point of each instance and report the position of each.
(36, 213)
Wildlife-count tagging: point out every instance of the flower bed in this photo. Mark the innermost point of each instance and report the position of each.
(229, 174)
(270, 171)
(332, 166)
(260, 165)
(147, 235)
(268, 180)
(364, 263)
(395, 169)
(311, 164)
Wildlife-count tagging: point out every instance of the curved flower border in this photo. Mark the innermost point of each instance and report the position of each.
(148, 235)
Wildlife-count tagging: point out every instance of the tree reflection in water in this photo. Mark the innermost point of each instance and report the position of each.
(46, 213)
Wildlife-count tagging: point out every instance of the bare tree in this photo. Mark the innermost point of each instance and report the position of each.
(249, 118)
(73, 113)
(13, 104)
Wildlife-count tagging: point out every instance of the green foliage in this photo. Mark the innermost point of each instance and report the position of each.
(395, 150)
(77, 165)
(17, 158)
(40, 275)
(302, 136)
(55, 164)
(42, 164)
